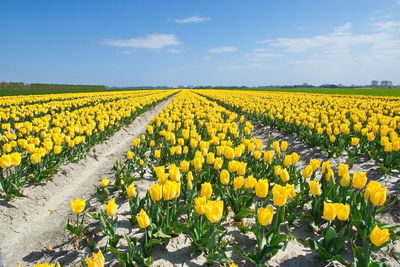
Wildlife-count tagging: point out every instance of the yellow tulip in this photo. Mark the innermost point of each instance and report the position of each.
(376, 193)
(314, 188)
(184, 166)
(210, 158)
(257, 155)
(268, 156)
(214, 210)
(315, 163)
(359, 180)
(241, 168)
(379, 236)
(238, 182)
(224, 177)
(57, 149)
(197, 163)
(277, 170)
(218, 163)
(355, 141)
(343, 168)
(104, 182)
(170, 190)
(136, 142)
(78, 205)
(290, 190)
(97, 260)
(284, 146)
(284, 174)
(129, 155)
(250, 182)
(232, 166)
(265, 215)
(5, 161)
(206, 190)
(131, 190)
(345, 180)
(157, 154)
(342, 211)
(200, 204)
(156, 192)
(261, 188)
(279, 195)
(174, 173)
(287, 161)
(36, 158)
(329, 211)
(143, 219)
(111, 208)
(15, 159)
(308, 171)
(294, 158)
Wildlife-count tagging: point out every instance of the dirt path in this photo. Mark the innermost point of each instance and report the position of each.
(30, 225)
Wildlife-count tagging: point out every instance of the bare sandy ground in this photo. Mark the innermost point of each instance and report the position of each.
(29, 225)
(40, 219)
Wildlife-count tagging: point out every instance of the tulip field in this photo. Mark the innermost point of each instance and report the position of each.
(199, 178)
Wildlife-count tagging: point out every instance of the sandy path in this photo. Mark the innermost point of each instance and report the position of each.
(29, 225)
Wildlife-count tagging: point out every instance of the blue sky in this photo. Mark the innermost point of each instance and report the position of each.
(207, 42)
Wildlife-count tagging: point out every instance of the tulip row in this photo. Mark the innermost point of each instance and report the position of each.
(210, 174)
(33, 147)
(358, 125)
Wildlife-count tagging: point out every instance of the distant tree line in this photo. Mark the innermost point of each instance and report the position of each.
(46, 86)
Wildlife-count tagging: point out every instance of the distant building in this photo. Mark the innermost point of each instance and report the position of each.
(374, 83)
(386, 83)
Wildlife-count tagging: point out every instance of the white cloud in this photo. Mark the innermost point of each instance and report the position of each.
(151, 41)
(339, 41)
(343, 28)
(223, 49)
(263, 54)
(192, 19)
(387, 26)
(173, 51)
(126, 52)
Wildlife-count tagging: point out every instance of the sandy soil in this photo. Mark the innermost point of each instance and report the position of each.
(41, 217)
(30, 225)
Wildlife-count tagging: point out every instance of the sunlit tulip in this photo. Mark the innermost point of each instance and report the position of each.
(104, 182)
(143, 219)
(78, 205)
(155, 192)
(268, 156)
(329, 211)
(265, 215)
(284, 175)
(342, 211)
(314, 188)
(238, 182)
(206, 190)
(129, 155)
(224, 177)
(308, 171)
(218, 163)
(184, 166)
(250, 182)
(200, 204)
(214, 210)
(379, 236)
(279, 195)
(97, 260)
(359, 180)
(261, 188)
(111, 208)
